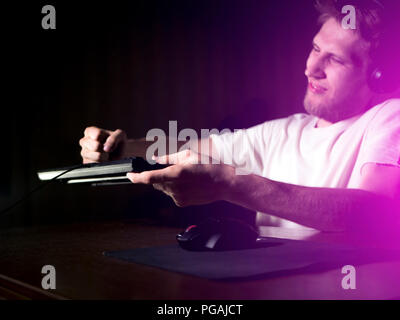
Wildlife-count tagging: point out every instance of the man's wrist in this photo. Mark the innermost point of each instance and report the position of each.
(230, 184)
(248, 190)
(135, 148)
(126, 148)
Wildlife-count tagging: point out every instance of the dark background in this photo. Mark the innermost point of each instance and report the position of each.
(136, 66)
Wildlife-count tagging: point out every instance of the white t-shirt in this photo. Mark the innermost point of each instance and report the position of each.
(293, 150)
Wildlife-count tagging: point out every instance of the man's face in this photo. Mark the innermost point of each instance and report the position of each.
(337, 74)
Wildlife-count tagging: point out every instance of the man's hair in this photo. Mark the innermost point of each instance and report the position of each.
(377, 22)
(370, 16)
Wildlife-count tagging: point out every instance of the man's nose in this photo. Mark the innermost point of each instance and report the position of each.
(315, 68)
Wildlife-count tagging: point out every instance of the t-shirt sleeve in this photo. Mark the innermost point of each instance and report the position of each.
(381, 144)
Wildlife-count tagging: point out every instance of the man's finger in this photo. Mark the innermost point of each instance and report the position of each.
(87, 143)
(97, 134)
(148, 177)
(166, 159)
(174, 158)
(113, 140)
(93, 156)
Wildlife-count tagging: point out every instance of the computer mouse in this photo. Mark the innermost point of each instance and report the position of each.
(215, 234)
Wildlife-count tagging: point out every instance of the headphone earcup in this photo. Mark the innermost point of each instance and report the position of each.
(383, 81)
(375, 80)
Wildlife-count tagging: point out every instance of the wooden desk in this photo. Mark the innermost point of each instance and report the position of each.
(82, 272)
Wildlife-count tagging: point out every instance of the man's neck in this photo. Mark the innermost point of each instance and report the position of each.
(375, 100)
(323, 123)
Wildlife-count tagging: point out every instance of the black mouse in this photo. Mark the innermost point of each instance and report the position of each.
(215, 234)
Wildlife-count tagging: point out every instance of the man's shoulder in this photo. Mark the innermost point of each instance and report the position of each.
(385, 114)
(388, 107)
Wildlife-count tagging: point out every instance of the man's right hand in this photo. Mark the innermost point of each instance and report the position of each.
(102, 145)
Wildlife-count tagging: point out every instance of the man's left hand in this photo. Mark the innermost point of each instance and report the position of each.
(188, 180)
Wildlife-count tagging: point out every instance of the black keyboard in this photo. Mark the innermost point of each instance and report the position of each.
(110, 172)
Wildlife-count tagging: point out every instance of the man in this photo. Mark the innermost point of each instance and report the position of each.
(334, 169)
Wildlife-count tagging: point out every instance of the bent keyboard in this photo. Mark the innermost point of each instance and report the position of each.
(103, 173)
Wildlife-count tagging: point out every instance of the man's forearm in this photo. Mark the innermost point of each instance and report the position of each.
(136, 148)
(325, 209)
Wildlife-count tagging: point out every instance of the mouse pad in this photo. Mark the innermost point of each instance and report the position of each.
(276, 257)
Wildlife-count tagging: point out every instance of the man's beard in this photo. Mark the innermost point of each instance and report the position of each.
(332, 111)
(322, 110)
